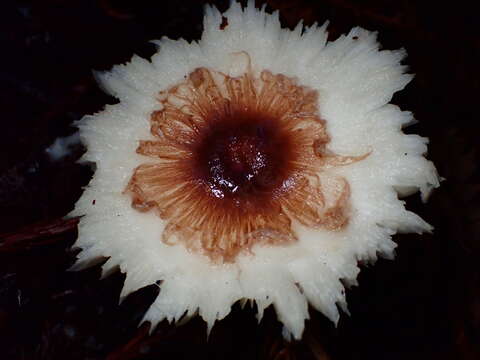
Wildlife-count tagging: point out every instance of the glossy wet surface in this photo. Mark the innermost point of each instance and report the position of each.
(245, 156)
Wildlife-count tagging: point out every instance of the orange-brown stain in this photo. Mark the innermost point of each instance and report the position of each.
(237, 161)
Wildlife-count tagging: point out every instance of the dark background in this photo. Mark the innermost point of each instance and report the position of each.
(424, 305)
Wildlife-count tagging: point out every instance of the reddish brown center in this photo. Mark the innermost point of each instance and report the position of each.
(242, 157)
(238, 159)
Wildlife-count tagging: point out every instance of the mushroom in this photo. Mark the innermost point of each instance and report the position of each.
(257, 163)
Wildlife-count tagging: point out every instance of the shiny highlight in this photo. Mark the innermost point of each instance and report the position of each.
(271, 144)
